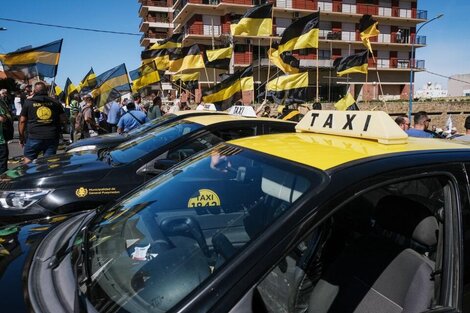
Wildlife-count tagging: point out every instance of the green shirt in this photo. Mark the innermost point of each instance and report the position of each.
(2, 112)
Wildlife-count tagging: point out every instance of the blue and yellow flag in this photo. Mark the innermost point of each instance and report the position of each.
(145, 75)
(33, 62)
(88, 82)
(111, 84)
(69, 91)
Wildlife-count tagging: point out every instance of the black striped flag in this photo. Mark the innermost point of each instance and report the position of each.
(88, 82)
(33, 62)
(257, 21)
(347, 103)
(111, 84)
(224, 94)
(161, 58)
(69, 91)
(285, 62)
(289, 88)
(218, 58)
(188, 58)
(301, 34)
(368, 29)
(173, 42)
(145, 75)
(187, 81)
(355, 63)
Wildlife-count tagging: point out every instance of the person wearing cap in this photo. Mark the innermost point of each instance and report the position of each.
(44, 117)
(74, 110)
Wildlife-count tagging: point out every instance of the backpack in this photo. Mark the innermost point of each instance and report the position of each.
(7, 126)
(80, 121)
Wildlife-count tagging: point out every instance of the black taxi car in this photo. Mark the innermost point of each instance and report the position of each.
(83, 180)
(114, 139)
(348, 215)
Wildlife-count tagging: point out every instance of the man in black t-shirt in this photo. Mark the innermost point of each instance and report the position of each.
(43, 117)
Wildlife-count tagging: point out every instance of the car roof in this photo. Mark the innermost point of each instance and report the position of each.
(325, 151)
(213, 119)
(199, 112)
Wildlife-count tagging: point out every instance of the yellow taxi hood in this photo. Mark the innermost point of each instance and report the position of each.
(327, 151)
(202, 112)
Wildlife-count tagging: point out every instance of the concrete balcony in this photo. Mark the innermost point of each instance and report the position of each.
(161, 24)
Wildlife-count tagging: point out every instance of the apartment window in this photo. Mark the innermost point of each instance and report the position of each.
(211, 25)
(241, 48)
(384, 33)
(349, 6)
(284, 4)
(383, 59)
(405, 9)
(324, 54)
(348, 32)
(281, 24)
(305, 51)
(325, 6)
(385, 8)
(325, 29)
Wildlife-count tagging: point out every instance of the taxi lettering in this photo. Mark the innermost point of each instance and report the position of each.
(348, 125)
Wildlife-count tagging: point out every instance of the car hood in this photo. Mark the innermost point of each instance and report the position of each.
(17, 246)
(80, 167)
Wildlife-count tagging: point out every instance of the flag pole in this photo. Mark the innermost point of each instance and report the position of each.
(269, 60)
(182, 88)
(207, 77)
(378, 77)
(367, 77)
(317, 89)
(213, 46)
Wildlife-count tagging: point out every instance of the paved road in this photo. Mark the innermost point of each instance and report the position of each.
(16, 152)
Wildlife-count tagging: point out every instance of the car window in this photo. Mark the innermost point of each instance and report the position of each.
(235, 132)
(152, 124)
(153, 248)
(277, 128)
(466, 252)
(139, 147)
(378, 250)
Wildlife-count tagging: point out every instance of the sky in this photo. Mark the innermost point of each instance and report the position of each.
(447, 52)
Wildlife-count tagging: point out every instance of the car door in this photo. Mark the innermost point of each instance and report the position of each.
(301, 281)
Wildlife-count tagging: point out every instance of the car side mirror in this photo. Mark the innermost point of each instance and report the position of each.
(164, 164)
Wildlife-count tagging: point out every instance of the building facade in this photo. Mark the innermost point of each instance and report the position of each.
(459, 85)
(207, 22)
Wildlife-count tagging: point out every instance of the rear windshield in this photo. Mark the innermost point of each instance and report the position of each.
(136, 148)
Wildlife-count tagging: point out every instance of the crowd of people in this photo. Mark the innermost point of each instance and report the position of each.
(42, 119)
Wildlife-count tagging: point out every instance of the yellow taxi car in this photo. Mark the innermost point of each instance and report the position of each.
(346, 215)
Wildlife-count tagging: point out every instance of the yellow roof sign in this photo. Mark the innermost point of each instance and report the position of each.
(375, 125)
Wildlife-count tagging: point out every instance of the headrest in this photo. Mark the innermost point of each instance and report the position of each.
(408, 218)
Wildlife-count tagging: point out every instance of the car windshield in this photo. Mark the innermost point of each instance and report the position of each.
(151, 125)
(136, 148)
(174, 233)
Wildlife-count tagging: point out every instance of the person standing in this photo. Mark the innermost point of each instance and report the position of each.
(421, 125)
(4, 116)
(137, 101)
(131, 119)
(44, 117)
(74, 110)
(154, 110)
(114, 113)
(86, 122)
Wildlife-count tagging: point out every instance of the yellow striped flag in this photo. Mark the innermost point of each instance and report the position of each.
(257, 21)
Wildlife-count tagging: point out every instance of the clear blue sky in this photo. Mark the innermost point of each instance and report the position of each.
(448, 42)
(80, 50)
(447, 52)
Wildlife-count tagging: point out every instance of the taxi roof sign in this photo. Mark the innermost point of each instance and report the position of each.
(242, 110)
(206, 107)
(375, 125)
